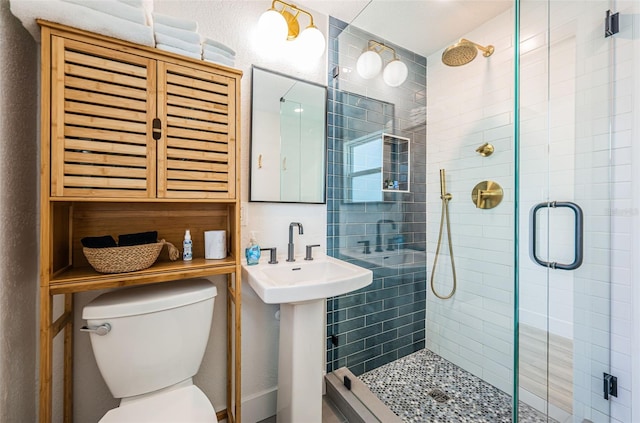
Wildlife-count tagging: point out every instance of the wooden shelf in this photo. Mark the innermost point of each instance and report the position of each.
(223, 201)
(108, 168)
(85, 278)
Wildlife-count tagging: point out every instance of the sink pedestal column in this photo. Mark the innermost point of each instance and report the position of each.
(300, 363)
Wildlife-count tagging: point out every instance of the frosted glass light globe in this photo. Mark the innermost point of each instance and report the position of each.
(395, 73)
(369, 64)
(311, 42)
(272, 27)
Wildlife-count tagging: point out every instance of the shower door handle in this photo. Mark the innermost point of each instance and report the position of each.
(578, 235)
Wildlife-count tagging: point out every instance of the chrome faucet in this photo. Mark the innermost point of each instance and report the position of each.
(290, 249)
(378, 235)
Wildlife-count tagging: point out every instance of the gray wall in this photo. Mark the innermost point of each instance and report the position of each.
(18, 219)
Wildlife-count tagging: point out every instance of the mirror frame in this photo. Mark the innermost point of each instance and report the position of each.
(252, 140)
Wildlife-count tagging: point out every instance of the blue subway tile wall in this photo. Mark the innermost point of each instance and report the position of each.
(386, 320)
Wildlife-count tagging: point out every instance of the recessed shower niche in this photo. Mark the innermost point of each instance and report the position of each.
(376, 163)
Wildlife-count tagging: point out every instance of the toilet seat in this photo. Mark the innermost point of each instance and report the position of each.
(184, 405)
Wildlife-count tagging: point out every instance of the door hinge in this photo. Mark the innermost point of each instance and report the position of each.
(157, 129)
(610, 385)
(611, 24)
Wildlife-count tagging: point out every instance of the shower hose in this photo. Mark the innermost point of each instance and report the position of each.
(446, 197)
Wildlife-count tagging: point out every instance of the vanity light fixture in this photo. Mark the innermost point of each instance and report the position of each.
(369, 65)
(280, 24)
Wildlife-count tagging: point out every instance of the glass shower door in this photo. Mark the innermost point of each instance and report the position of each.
(569, 104)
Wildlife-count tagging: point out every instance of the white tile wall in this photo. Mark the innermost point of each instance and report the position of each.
(467, 106)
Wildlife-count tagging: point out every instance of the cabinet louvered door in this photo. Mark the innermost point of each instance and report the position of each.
(196, 153)
(104, 102)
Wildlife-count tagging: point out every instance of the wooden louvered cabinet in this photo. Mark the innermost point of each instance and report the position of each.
(109, 101)
(133, 139)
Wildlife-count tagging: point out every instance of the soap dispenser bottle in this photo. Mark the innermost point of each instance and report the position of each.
(252, 252)
(187, 244)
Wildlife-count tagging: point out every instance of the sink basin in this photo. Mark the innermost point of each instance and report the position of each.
(301, 288)
(302, 280)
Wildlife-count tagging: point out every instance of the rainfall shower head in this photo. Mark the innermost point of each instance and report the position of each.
(463, 52)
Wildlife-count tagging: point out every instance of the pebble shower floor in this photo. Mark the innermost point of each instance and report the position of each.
(424, 387)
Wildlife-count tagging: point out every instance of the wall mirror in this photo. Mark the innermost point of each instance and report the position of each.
(288, 139)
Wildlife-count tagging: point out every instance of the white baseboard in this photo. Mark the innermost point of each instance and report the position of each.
(260, 406)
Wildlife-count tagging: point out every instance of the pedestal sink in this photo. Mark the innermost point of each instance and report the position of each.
(301, 288)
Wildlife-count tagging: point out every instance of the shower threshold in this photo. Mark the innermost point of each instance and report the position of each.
(358, 404)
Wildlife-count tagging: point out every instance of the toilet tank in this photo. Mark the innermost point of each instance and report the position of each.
(158, 334)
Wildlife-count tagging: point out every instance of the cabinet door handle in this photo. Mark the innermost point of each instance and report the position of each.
(578, 235)
(157, 129)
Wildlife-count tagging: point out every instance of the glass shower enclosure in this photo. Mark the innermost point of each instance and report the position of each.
(575, 81)
(541, 308)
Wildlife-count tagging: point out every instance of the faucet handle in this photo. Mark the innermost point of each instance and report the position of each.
(272, 254)
(365, 249)
(308, 255)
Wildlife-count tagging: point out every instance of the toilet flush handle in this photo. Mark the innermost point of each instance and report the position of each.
(101, 330)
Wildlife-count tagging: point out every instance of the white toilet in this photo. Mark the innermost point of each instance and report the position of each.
(149, 342)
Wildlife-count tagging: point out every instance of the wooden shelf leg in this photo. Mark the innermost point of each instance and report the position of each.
(46, 354)
(229, 353)
(234, 344)
(238, 346)
(68, 359)
(48, 331)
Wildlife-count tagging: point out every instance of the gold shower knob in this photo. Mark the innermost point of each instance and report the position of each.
(485, 149)
(487, 194)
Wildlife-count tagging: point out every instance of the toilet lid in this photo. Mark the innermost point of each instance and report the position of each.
(188, 404)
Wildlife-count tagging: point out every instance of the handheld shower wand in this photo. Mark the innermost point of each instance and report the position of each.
(446, 197)
(443, 187)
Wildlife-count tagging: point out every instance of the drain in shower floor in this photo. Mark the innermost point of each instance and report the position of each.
(438, 395)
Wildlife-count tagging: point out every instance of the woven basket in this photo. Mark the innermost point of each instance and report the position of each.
(123, 259)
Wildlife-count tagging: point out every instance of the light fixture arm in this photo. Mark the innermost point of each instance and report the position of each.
(294, 8)
(379, 47)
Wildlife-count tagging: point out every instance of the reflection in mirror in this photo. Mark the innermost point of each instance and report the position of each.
(375, 163)
(288, 139)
